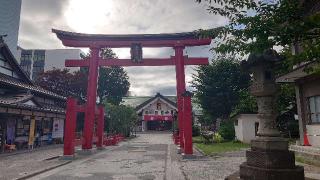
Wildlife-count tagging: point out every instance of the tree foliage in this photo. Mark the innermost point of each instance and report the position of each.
(113, 82)
(120, 118)
(218, 86)
(63, 82)
(255, 26)
(246, 104)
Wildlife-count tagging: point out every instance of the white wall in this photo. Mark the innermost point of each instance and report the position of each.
(56, 58)
(245, 131)
(9, 22)
(151, 108)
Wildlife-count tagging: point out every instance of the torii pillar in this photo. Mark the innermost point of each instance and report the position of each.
(181, 87)
(91, 99)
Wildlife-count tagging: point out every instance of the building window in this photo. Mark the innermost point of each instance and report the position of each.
(156, 112)
(146, 112)
(314, 109)
(236, 122)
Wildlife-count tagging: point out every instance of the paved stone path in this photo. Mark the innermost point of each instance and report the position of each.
(147, 157)
(20, 165)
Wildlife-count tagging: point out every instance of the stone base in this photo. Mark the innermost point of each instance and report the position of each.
(101, 148)
(67, 157)
(236, 176)
(255, 173)
(269, 144)
(269, 159)
(189, 156)
(86, 152)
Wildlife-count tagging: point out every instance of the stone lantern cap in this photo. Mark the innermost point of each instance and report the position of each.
(270, 57)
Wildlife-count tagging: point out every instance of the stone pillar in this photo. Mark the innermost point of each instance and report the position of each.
(269, 157)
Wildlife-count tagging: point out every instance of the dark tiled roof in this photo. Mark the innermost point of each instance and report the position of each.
(125, 37)
(16, 98)
(17, 101)
(4, 50)
(24, 81)
(36, 89)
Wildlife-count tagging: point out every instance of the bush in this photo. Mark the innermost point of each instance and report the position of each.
(195, 130)
(207, 135)
(226, 130)
(217, 138)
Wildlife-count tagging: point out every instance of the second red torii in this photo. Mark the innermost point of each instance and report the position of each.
(178, 41)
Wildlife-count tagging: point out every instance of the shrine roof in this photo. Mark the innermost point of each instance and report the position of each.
(125, 37)
(74, 39)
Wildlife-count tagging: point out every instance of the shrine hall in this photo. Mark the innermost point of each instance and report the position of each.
(157, 113)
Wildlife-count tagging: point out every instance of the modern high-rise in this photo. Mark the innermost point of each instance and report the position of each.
(36, 61)
(9, 23)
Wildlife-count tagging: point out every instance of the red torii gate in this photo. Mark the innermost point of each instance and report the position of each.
(178, 41)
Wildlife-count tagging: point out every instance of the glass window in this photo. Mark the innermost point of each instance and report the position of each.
(314, 109)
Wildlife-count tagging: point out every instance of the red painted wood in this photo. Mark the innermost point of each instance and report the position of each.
(157, 118)
(146, 43)
(100, 126)
(181, 87)
(76, 63)
(187, 124)
(146, 62)
(91, 99)
(70, 127)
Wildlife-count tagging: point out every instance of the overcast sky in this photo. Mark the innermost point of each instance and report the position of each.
(38, 17)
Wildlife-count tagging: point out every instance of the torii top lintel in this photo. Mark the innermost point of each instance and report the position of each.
(72, 39)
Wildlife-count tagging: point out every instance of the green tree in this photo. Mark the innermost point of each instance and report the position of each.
(113, 82)
(120, 118)
(218, 86)
(254, 26)
(247, 103)
(63, 82)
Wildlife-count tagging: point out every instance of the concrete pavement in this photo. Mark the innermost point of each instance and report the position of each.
(150, 157)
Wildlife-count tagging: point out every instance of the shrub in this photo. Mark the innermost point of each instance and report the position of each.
(226, 130)
(217, 138)
(207, 135)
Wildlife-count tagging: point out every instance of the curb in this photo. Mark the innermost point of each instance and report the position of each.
(199, 150)
(18, 152)
(42, 171)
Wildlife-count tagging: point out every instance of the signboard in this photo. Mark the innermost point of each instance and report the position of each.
(31, 132)
(157, 118)
(57, 129)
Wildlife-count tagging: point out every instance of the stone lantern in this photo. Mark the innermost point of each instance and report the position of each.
(269, 157)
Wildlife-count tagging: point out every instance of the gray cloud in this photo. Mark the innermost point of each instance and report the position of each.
(125, 17)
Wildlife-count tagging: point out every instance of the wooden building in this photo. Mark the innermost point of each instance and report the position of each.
(29, 114)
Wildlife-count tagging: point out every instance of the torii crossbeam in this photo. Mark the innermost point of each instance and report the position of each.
(178, 41)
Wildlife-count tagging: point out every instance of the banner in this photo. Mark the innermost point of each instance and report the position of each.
(31, 131)
(57, 129)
